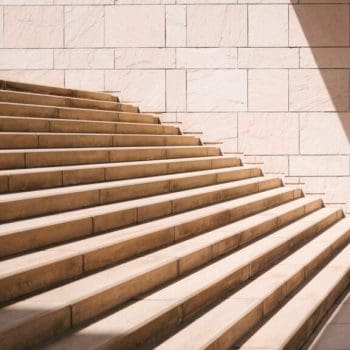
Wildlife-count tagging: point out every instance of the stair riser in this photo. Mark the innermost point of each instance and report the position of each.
(26, 208)
(57, 101)
(18, 124)
(47, 179)
(19, 285)
(49, 90)
(9, 109)
(309, 325)
(29, 239)
(68, 157)
(86, 309)
(22, 141)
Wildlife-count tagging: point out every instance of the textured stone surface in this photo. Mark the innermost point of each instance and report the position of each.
(318, 90)
(176, 90)
(84, 58)
(206, 58)
(146, 29)
(80, 32)
(268, 58)
(325, 58)
(216, 90)
(268, 90)
(216, 25)
(85, 79)
(33, 27)
(144, 58)
(268, 133)
(44, 77)
(26, 59)
(319, 25)
(142, 87)
(324, 133)
(268, 25)
(175, 26)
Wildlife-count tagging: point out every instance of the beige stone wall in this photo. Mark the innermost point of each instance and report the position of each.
(269, 78)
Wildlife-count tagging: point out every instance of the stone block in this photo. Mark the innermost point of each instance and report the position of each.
(135, 26)
(216, 90)
(319, 90)
(84, 26)
(84, 58)
(206, 58)
(33, 26)
(26, 59)
(175, 90)
(268, 25)
(268, 133)
(85, 79)
(175, 25)
(268, 90)
(132, 58)
(216, 25)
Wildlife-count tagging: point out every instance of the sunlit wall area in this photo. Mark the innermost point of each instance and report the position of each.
(266, 78)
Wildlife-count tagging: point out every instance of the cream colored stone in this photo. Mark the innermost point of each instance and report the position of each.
(131, 58)
(83, 2)
(85, 79)
(26, 59)
(176, 90)
(216, 90)
(268, 58)
(84, 26)
(175, 25)
(268, 25)
(26, 2)
(216, 25)
(215, 126)
(135, 26)
(268, 133)
(44, 77)
(324, 133)
(319, 165)
(84, 58)
(33, 26)
(206, 58)
(269, 164)
(144, 88)
(268, 90)
(319, 25)
(318, 90)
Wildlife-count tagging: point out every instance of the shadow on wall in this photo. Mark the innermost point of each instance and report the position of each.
(322, 31)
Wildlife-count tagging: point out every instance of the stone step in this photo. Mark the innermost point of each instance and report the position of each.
(33, 158)
(58, 91)
(60, 101)
(220, 329)
(13, 140)
(50, 112)
(92, 296)
(40, 178)
(23, 205)
(203, 209)
(22, 124)
(308, 306)
(43, 268)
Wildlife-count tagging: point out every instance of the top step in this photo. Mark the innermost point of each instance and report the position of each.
(58, 91)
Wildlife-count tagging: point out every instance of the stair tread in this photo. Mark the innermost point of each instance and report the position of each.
(90, 244)
(303, 304)
(116, 184)
(108, 165)
(19, 86)
(7, 94)
(76, 291)
(7, 228)
(203, 331)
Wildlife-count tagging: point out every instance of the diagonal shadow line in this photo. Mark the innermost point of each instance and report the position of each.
(326, 30)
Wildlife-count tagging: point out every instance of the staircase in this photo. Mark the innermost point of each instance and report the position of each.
(119, 232)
